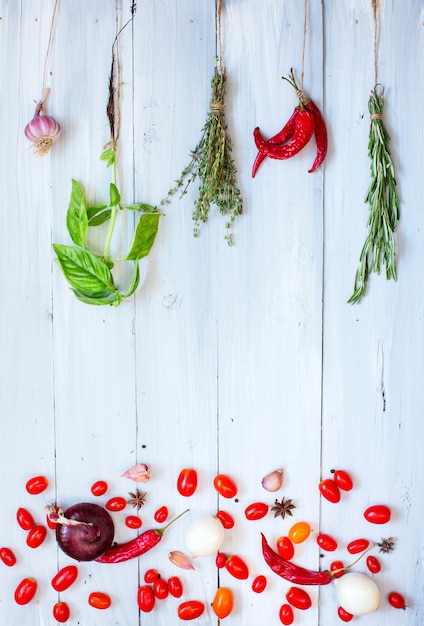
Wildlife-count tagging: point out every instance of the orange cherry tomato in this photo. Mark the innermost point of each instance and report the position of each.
(225, 486)
(329, 490)
(357, 545)
(299, 532)
(373, 564)
(175, 586)
(132, 521)
(99, 600)
(285, 548)
(259, 583)
(36, 485)
(326, 542)
(25, 591)
(378, 514)
(160, 588)
(343, 480)
(223, 602)
(256, 510)
(65, 577)
(226, 519)
(118, 503)
(99, 488)
(187, 482)
(25, 519)
(7, 556)
(161, 514)
(61, 612)
(286, 614)
(237, 567)
(344, 615)
(36, 536)
(299, 598)
(191, 609)
(337, 565)
(145, 599)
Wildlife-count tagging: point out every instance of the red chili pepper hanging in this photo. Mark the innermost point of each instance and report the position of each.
(281, 137)
(320, 135)
(303, 131)
(291, 572)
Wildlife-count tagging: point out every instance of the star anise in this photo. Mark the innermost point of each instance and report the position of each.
(137, 499)
(387, 545)
(283, 508)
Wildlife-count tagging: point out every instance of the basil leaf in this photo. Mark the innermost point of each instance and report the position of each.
(93, 210)
(76, 218)
(87, 299)
(115, 196)
(100, 218)
(109, 156)
(134, 281)
(84, 270)
(145, 208)
(144, 236)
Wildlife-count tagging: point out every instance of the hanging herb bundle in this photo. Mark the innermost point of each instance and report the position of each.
(382, 194)
(90, 273)
(211, 161)
(383, 203)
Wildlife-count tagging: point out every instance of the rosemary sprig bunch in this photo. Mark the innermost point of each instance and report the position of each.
(383, 202)
(212, 164)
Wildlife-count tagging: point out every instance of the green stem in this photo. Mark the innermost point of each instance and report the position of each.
(113, 214)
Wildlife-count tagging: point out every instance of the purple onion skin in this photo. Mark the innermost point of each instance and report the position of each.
(82, 542)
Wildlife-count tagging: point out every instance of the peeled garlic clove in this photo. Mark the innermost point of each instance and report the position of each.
(180, 559)
(273, 480)
(140, 473)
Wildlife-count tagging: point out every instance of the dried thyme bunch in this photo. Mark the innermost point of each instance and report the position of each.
(383, 202)
(212, 164)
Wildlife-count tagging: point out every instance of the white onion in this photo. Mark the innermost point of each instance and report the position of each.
(357, 593)
(205, 536)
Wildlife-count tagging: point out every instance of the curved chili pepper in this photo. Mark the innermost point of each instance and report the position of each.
(303, 131)
(284, 135)
(137, 546)
(291, 572)
(320, 135)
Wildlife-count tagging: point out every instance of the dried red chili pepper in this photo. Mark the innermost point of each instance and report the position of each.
(303, 131)
(320, 135)
(291, 572)
(137, 546)
(284, 135)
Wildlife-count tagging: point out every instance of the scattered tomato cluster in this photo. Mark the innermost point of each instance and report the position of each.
(156, 587)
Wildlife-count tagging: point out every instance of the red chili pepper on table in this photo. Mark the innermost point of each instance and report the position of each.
(137, 546)
(291, 572)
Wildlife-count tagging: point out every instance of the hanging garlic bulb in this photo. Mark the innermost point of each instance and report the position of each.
(273, 480)
(42, 130)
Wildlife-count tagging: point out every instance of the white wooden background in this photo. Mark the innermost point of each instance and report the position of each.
(237, 359)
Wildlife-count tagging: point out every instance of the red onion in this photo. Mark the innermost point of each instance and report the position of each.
(84, 531)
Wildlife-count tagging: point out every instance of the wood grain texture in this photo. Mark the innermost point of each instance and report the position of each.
(234, 359)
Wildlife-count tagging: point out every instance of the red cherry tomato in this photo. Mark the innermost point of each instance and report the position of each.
(146, 598)
(25, 519)
(187, 482)
(99, 600)
(237, 567)
(175, 587)
(25, 591)
(329, 490)
(326, 542)
(151, 575)
(299, 598)
(160, 588)
(378, 514)
(50, 523)
(299, 532)
(61, 612)
(259, 583)
(190, 609)
(256, 510)
(223, 602)
(357, 545)
(220, 560)
(7, 556)
(286, 614)
(337, 565)
(373, 564)
(134, 522)
(343, 480)
(118, 503)
(344, 615)
(99, 488)
(65, 577)
(225, 486)
(161, 514)
(36, 536)
(396, 600)
(285, 548)
(226, 519)
(36, 485)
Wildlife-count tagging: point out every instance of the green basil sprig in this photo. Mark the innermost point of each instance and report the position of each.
(89, 273)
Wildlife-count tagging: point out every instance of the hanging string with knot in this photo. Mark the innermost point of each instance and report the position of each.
(305, 30)
(45, 90)
(375, 19)
(219, 42)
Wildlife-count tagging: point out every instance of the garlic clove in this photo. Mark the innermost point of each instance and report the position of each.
(140, 473)
(180, 559)
(273, 480)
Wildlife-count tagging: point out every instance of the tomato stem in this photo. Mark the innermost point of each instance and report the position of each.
(160, 531)
(343, 569)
